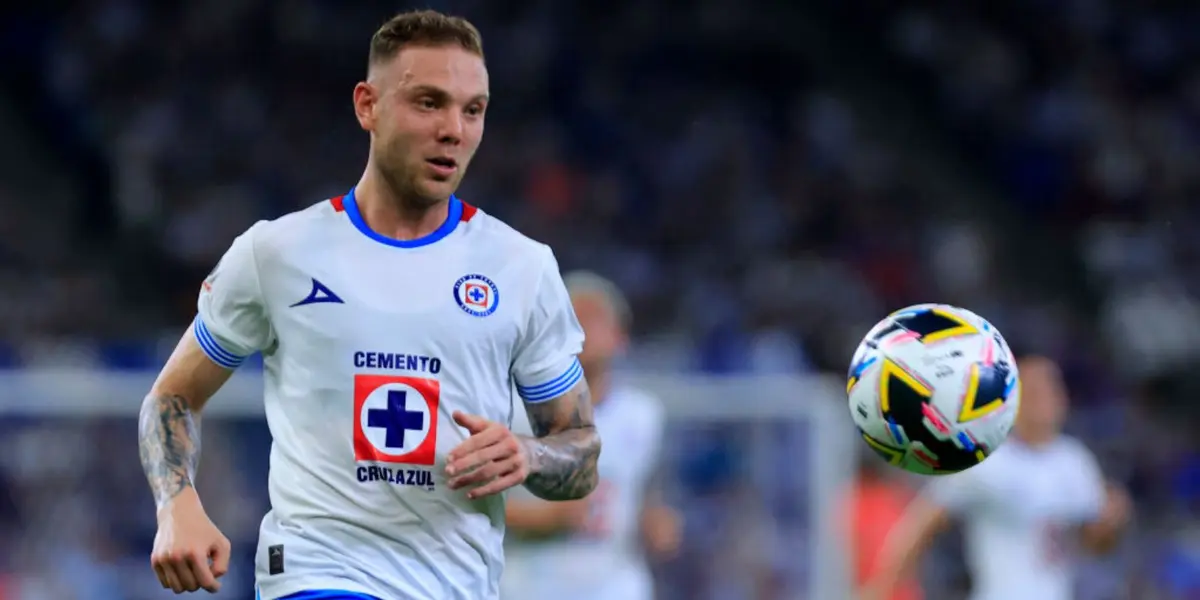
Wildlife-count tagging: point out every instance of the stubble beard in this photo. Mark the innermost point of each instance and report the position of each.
(405, 186)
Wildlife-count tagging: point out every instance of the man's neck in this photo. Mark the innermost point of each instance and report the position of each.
(388, 213)
(1033, 439)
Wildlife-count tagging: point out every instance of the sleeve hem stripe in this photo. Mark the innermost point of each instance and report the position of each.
(213, 349)
(553, 383)
(561, 385)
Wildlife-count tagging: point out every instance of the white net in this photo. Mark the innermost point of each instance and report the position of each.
(757, 466)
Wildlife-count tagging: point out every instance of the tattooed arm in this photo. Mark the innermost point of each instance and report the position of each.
(190, 553)
(169, 422)
(565, 446)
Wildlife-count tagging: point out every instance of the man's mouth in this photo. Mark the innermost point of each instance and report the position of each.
(443, 165)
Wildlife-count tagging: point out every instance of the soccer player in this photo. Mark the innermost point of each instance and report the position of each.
(597, 547)
(395, 322)
(1025, 509)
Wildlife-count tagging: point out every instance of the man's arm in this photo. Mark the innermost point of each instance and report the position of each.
(169, 446)
(661, 525)
(535, 517)
(905, 545)
(169, 422)
(1102, 535)
(564, 447)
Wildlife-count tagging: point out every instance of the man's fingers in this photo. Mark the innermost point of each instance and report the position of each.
(170, 571)
(201, 574)
(220, 558)
(484, 473)
(500, 449)
(512, 478)
(473, 423)
(161, 573)
(183, 570)
(462, 457)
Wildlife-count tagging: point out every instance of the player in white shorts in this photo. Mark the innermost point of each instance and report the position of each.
(398, 326)
(1026, 510)
(597, 548)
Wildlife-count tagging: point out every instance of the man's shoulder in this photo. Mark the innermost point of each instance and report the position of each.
(499, 236)
(297, 224)
(1072, 453)
(268, 239)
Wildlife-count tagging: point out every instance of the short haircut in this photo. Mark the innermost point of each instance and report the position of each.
(587, 283)
(422, 28)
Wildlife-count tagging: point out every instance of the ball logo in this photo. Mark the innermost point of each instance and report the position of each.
(476, 295)
(395, 419)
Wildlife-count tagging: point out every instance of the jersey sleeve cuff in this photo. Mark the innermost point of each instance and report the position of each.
(212, 348)
(555, 387)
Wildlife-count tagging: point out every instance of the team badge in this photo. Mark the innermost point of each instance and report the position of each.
(476, 295)
(395, 419)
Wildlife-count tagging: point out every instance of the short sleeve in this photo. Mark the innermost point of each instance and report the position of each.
(1092, 492)
(231, 320)
(656, 424)
(545, 364)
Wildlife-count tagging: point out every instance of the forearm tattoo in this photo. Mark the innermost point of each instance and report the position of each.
(565, 448)
(169, 444)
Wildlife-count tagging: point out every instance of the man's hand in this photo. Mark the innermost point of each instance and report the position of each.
(662, 530)
(492, 458)
(190, 553)
(1118, 508)
(1104, 534)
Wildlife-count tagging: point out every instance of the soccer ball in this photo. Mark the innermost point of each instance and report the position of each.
(934, 389)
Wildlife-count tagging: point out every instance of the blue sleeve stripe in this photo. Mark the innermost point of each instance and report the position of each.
(553, 383)
(327, 595)
(212, 348)
(555, 387)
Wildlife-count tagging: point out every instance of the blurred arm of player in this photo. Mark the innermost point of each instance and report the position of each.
(534, 517)
(923, 520)
(558, 462)
(927, 515)
(1108, 503)
(190, 553)
(1106, 506)
(1102, 535)
(661, 524)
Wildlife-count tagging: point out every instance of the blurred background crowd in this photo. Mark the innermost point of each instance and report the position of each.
(764, 181)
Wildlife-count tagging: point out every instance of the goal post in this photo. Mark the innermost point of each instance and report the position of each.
(796, 437)
(790, 441)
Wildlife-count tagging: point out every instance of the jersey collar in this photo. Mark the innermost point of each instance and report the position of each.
(453, 218)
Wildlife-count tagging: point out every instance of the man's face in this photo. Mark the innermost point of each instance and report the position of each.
(1043, 397)
(604, 335)
(425, 111)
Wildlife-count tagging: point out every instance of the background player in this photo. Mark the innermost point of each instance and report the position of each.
(1024, 509)
(597, 547)
(390, 357)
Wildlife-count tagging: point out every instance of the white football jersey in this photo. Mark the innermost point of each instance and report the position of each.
(605, 561)
(369, 345)
(1021, 510)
